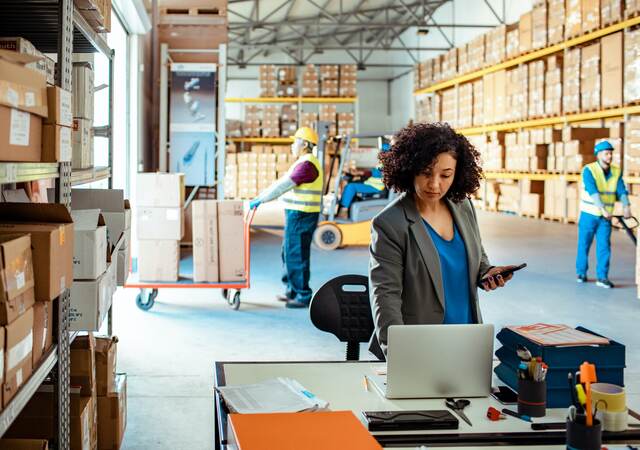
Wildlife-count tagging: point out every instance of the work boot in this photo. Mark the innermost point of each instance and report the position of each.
(581, 279)
(295, 304)
(282, 298)
(605, 284)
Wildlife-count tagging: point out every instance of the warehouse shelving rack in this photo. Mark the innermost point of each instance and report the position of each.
(55, 27)
(288, 100)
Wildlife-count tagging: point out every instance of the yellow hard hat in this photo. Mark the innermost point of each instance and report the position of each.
(307, 134)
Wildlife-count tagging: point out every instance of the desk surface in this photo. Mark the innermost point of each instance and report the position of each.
(341, 384)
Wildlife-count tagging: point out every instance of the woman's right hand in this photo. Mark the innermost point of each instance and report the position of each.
(492, 280)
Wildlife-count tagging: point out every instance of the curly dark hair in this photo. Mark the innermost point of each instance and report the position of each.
(415, 149)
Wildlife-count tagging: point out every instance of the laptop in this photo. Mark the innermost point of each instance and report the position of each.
(438, 361)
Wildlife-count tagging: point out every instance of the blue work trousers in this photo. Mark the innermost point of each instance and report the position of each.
(590, 226)
(351, 189)
(296, 253)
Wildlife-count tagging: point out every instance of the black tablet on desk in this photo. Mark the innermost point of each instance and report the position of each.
(410, 420)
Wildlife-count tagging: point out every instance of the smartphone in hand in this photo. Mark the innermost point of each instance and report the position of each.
(504, 273)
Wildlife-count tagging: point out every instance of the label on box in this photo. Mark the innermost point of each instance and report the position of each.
(30, 99)
(19, 128)
(66, 108)
(13, 98)
(20, 351)
(63, 283)
(66, 148)
(20, 280)
(172, 214)
(19, 377)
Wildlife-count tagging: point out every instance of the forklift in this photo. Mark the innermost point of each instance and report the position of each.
(332, 232)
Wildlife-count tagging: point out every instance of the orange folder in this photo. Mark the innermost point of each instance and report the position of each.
(333, 430)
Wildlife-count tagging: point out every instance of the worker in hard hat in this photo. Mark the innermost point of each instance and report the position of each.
(602, 185)
(301, 189)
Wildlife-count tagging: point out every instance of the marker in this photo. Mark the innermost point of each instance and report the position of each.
(365, 383)
(516, 415)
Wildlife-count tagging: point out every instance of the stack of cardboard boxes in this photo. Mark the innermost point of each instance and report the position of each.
(612, 70)
(82, 135)
(97, 13)
(247, 174)
(308, 119)
(348, 80)
(536, 89)
(231, 176)
(465, 105)
(252, 120)
(513, 42)
(426, 109)
(632, 146)
(478, 102)
(288, 120)
(39, 62)
(573, 18)
(449, 107)
(270, 124)
(516, 94)
(328, 113)
(590, 78)
(463, 59)
(57, 128)
(450, 64)
(553, 86)
(631, 66)
(310, 81)
(267, 163)
(556, 21)
(160, 225)
(346, 123)
(632, 8)
(539, 25)
(267, 78)
(329, 80)
(495, 97)
(532, 198)
(287, 82)
(496, 45)
(476, 52)
(525, 34)
(571, 81)
(590, 15)
(611, 11)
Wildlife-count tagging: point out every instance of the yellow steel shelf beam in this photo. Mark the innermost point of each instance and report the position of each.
(262, 140)
(291, 99)
(531, 176)
(557, 120)
(531, 56)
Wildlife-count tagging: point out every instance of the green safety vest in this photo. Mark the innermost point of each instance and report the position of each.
(306, 197)
(606, 189)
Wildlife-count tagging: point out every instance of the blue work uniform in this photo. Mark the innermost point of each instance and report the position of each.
(372, 185)
(592, 224)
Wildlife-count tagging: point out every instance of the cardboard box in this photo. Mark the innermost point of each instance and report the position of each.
(51, 229)
(56, 144)
(83, 364)
(91, 299)
(83, 90)
(21, 87)
(18, 355)
(612, 70)
(42, 330)
(90, 249)
(159, 223)
(115, 209)
(16, 276)
(231, 240)
(20, 136)
(158, 260)
(60, 107)
(590, 15)
(106, 356)
(124, 261)
(164, 190)
(82, 144)
(583, 133)
(23, 444)
(205, 241)
(112, 416)
(526, 32)
(573, 18)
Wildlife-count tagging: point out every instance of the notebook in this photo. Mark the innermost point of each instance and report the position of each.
(333, 430)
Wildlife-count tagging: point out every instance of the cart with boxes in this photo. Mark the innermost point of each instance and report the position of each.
(219, 257)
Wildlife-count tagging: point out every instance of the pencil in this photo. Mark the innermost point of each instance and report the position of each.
(365, 383)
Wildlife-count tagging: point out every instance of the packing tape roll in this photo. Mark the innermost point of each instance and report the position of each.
(614, 421)
(609, 397)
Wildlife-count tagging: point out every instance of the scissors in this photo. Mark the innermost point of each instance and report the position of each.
(458, 406)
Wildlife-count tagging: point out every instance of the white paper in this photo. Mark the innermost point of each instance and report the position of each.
(173, 214)
(29, 99)
(13, 98)
(20, 351)
(20, 280)
(19, 128)
(271, 396)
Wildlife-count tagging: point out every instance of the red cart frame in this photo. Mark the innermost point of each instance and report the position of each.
(149, 289)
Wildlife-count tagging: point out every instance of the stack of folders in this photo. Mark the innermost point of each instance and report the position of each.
(271, 396)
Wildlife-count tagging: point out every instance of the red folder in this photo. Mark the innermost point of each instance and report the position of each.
(333, 430)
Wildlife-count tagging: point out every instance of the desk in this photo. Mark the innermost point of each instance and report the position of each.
(340, 383)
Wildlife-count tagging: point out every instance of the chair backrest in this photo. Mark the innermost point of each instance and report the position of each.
(341, 307)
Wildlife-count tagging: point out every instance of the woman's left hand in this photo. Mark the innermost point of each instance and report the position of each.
(492, 279)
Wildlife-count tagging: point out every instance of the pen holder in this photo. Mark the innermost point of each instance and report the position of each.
(532, 398)
(580, 436)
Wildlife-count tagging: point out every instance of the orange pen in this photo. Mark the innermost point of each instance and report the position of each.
(588, 376)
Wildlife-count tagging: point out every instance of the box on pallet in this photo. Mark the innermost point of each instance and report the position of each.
(83, 90)
(112, 415)
(42, 330)
(230, 240)
(90, 244)
(17, 277)
(158, 260)
(205, 241)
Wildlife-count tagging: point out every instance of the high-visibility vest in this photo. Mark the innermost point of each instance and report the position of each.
(606, 189)
(306, 197)
(375, 182)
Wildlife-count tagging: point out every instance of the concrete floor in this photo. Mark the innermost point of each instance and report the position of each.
(169, 351)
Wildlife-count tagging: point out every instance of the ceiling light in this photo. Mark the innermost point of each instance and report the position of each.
(423, 31)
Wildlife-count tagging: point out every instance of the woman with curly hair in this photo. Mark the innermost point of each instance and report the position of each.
(426, 255)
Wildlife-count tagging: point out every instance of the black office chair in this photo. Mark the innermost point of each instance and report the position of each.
(341, 307)
(362, 196)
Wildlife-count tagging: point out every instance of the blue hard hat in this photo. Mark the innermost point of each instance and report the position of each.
(603, 145)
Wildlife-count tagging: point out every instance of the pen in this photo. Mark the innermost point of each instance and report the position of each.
(365, 383)
(516, 415)
(572, 389)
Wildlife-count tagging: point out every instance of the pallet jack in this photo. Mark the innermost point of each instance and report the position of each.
(333, 233)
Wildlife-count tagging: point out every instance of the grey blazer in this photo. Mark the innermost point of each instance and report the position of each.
(405, 278)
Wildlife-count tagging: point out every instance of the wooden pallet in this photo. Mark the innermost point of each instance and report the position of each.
(552, 218)
(530, 216)
(193, 11)
(631, 14)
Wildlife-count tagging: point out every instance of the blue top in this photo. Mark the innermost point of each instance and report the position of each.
(455, 276)
(375, 172)
(592, 188)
